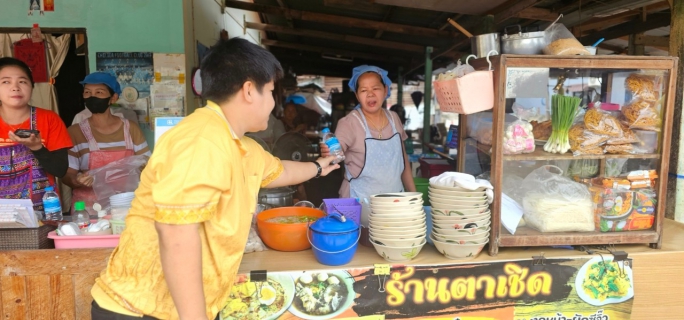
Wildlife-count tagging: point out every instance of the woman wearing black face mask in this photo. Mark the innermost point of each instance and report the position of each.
(100, 139)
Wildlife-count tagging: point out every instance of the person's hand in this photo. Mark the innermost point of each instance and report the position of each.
(33, 142)
(325, 151)
(327, 165)
(84, 179)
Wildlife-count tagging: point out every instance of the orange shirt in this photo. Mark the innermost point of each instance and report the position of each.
(53, 132)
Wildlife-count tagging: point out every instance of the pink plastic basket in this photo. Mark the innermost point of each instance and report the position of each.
(348, 207)
(71, 242)
(471, 93)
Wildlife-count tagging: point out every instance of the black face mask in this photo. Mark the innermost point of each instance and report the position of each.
(97, 105)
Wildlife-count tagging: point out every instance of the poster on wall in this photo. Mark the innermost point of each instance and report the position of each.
(595, 288)
(135, 73)
(169, 68)
(167, 101)
(35, 5)
(33, 54)
(48, 5)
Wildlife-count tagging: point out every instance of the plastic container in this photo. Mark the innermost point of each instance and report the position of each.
(591, 50)
(118, 226)
(51, 204)
(333, 144)
(334, 239)
(433, 167)
(350, 208)
(74, 242)
(648, 141)
(422, 186)
(561, 42)
(286, 237)
(80, 216)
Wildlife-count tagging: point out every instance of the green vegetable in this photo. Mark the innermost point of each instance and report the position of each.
(564, 110)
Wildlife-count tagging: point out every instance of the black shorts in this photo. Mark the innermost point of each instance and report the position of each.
(97, 313)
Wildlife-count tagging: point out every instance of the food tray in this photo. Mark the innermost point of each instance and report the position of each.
(72, 242)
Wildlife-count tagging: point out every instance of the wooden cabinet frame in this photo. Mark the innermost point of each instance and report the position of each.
(528, 237)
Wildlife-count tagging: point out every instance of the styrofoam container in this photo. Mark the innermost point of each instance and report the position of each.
(74, 242)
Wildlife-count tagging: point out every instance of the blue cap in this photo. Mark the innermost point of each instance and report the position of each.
(296, 99)
(358, 71)
(103, 78)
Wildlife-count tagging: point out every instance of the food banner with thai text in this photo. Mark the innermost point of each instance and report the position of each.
(592, 288)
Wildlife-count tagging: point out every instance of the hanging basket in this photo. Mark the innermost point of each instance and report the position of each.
(471, 93)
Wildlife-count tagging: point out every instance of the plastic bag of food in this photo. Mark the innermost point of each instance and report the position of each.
(518, 138)
(614, 167)
(457, 72)
(583, 141)
(583, 168)
(628, 137)
(254, 242)
(554, 203)
(561, 42)
(480, 126)
(600, 122)
(541, 130)
(641, 86)
(619, 149)
(642, 114)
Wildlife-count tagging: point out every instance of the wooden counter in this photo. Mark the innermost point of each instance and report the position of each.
(55, 284)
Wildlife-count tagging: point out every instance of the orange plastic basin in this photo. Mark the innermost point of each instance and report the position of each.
(286, 236)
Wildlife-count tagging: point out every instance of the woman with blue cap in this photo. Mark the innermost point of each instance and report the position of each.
(100, 139)
(372, 140)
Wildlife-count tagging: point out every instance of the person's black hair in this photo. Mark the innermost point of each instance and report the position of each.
(13, 62)
(401, 112)
(231, 63)
(417, 97)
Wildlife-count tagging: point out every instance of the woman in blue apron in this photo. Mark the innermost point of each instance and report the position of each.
(372, 140)
(33, 141)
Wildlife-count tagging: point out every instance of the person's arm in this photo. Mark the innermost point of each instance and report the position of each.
(407, 175)
(183, 272)
(54, 162)
(297, 172)
(75, 179)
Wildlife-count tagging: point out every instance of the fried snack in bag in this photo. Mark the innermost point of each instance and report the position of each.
(641, 85)
(638, 117)
(628, 136)
(581, 139)
(602, 123)
(619, 149)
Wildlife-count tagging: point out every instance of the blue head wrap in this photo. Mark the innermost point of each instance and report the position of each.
(296, 99)
(358, 71)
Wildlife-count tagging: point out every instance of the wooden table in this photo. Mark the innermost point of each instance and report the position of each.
(55, 284)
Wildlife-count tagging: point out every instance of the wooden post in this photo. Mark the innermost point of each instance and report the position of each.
(675, 189)
(427, 95)
(637, 48)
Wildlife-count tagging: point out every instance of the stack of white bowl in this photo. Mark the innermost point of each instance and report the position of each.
(461, 221)
(120, 203)
(397, 225)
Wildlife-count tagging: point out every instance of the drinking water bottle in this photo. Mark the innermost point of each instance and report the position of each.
(81, 217)
(333, 144)
(51, 205)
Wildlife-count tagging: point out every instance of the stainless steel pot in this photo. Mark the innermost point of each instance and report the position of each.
(276, 197)
(522, 42)
(481, 45)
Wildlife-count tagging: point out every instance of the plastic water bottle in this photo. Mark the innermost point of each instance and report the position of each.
(51, 205)
(333, 144)
(81, 216)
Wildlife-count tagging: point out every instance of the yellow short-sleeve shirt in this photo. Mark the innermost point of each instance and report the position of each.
(200, 172)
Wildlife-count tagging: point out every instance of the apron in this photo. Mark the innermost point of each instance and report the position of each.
(382, 168)
(21, 176)
(97, 159)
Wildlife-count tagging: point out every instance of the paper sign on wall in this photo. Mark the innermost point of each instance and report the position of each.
(163, 124)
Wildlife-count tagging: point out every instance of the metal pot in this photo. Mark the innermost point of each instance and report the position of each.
(277, 197)
(481, 45)
(522, 42)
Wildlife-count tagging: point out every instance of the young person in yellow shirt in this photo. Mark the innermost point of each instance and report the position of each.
(189, 221)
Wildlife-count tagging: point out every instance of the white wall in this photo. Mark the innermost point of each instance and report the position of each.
(203, 22)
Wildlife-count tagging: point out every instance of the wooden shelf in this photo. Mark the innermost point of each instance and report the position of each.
(528, 237)
(540, 154)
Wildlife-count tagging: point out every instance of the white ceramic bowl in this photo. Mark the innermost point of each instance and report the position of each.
(398, 242)
(397, 235)
(455, 198)
(478, 235)
(459, 202)
(460, 218)
(476, 239)
(460, 224)
(458, 251)
(466, 231)
(399, 206)
(390, 218)
(409, 229)
(403, 223)
(449, 193)
(399, 210)
(458, 189)
(396, 198)
(398, 254)
(447, 206)
(458, 212)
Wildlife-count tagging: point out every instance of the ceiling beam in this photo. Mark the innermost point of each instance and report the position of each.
(601, 23)
(444, 52)
(333, 51)
(577, 17)
(614, 48)
(533, 13)
(513, 10)
(339, 20)
(628, 28)
(288, 16)
(652, 41)
(336, 37)
(387, 15)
